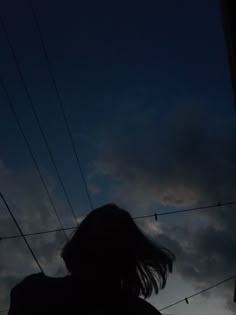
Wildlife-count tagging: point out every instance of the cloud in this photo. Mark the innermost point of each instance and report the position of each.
(29, 204)
(185, 158)
(147, 161)
(178, 160)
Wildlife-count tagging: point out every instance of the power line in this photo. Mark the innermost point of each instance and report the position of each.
(31, 152)
(38, 233)
(35, 114)
(16, 223)
(200, 292)
(50, 70)
(219, 204)
(155, 215)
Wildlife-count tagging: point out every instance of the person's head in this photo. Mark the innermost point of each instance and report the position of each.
(109, 248)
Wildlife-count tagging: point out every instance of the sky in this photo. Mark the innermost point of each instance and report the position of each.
(147, 93)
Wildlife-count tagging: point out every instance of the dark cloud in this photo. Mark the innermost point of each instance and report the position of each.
(186, 158)
(179, 159)
(183, 158)
(29, 204)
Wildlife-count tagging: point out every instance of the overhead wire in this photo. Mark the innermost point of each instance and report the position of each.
(31, 103)
(62, 107)
(39, 233)
(19, 228)
(218, 204)
(197, 293)
(31, 153)
(155, 215)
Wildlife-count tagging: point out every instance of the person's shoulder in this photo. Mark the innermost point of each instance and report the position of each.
(32, 278)
(23, 294)
(29, 281)
(148, 308)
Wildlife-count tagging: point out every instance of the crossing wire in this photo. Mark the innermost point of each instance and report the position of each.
(36, 115)
(16, 223)
(31, 152)
(155, 215)
(51, 73)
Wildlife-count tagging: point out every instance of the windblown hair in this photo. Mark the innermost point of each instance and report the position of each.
(108, 247)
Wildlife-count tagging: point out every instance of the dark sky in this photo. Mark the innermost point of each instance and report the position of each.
(145, 87)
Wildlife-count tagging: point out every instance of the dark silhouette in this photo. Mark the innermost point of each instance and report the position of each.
(111, 263)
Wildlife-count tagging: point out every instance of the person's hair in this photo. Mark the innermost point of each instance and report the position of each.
(108, 247)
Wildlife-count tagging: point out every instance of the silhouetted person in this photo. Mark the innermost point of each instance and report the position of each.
(111, 263)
